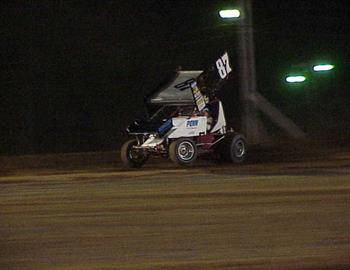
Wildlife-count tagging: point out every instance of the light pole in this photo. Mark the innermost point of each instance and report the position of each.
(250, 122)
(247, 74)
(251, 100)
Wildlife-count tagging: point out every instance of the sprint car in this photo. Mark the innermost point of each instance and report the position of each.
(186, 120)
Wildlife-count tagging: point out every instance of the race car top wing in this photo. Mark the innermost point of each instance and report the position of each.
(178, 90)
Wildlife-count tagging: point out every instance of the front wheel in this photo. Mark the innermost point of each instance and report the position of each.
(183, 151)
(131, 157)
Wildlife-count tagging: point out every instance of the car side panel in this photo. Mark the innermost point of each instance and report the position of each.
(188, 127)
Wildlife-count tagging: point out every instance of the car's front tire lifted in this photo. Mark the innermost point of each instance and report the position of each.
(234, 148)
(132, 158)
(183, 151)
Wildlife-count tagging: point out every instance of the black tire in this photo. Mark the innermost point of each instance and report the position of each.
(183, 151)
(234, 148)
(132, 158)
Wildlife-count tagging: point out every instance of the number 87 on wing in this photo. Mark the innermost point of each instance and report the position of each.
(223, 66)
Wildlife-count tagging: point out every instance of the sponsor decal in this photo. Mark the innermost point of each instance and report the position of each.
(192, 123)
(198, 97)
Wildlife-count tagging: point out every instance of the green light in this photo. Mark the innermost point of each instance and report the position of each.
(295, 79)
(229, 13)
(325, 67)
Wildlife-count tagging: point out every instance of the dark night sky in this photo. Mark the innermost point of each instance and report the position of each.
(74, 72)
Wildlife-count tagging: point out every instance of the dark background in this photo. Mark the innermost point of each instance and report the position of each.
(74, 73)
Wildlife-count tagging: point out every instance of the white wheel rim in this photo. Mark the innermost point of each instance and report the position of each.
(185, 151)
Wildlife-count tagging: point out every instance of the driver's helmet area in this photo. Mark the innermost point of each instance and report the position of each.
(212, 113)
(184, 111)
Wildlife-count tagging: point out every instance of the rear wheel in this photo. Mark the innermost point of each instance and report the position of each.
(234, 148)
(183, 151)
(131, 157)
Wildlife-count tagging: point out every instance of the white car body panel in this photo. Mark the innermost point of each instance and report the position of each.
(221, 123)
(152, 141)
(188, 127)
(184, 126)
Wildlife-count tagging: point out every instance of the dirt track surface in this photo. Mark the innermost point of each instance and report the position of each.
(269, 215)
